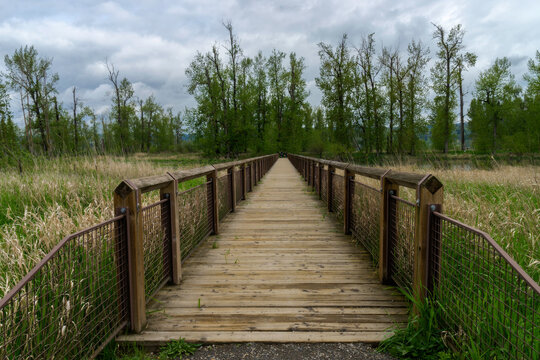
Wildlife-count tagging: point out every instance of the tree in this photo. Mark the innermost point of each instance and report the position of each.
(374, 124)
(295, 113)
(495, 90)
(463, 62)
(123, 93)
(30, 75)
(76, 102)
(277, 76)
(336, 84)
(415, 89)
(9, 138)
(388, 60)
(444, 75)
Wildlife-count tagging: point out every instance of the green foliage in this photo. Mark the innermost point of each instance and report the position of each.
(422, 338)
(177, 349)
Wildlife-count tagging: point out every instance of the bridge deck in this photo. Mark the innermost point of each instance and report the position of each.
(282, 272)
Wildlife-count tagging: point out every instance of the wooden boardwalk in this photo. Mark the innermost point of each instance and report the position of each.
(280, 271)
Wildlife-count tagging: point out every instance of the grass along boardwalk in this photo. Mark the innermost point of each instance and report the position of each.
(280, 270)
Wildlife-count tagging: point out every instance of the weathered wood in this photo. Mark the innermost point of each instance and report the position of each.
(347, 201)
(329, 187)
(410, 180)
(233, 188)
(161, 337)
(280, 266)
(319, 171)
(385, 229)
(131, 201)
(170, 192)
(213, 178)
(420, 276)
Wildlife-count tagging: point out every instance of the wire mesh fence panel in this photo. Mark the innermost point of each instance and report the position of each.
(324, 187)
(239, 184)
(365, 217)
(337, 196)
(195, 217)
(224, 196)
(156, 246)
(73, 302)
(487, 298)
(401, 241)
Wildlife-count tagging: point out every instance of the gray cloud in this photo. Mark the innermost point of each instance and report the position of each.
(152, 42)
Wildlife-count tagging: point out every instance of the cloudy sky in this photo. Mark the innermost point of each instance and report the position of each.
(152, 42)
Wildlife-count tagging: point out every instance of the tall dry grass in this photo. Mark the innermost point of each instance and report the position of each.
(504, 202)
(54, 198)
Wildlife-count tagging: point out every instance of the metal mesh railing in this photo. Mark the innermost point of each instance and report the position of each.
(195, 216)
(365, 217)
(401, 241)
(73, 301)
(224, 196)
(486, 297)
(337, 196)
(157, 246)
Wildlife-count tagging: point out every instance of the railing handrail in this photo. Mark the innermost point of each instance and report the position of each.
(410, 180)
(50, 255)
(156, 182)
(511, 262)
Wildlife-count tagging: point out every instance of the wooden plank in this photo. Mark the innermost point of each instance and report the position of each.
(161, 337)
(283, 271)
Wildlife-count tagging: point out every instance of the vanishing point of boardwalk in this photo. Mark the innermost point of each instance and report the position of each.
(280, 271)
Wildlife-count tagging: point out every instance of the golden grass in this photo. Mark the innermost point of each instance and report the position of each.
(55, 198)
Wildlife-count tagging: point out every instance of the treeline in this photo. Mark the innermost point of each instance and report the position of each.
(53, 128)
(373, 100)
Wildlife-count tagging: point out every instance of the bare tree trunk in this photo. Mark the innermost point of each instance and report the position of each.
(461, 116)
(27, 125)
(75, 101)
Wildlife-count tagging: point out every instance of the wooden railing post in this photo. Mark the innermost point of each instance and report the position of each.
(255, 172)
(329, 187)
(347, 200)
(320, 169)
(215, 222)
(233, 187)
(387, 228)
(244, 181)
(170, 191)
(429, 192)
(129, 197)
(312, 174)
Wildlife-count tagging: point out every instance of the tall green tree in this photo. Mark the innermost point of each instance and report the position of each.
(415, 90)
(444, 74)
(30, 74)
(496, 91)
(277, 76)
(336, 84)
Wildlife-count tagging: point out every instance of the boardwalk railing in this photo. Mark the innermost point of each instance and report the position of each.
(486, 297)
(97, 282)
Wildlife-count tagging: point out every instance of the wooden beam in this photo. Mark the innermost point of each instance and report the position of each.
(425, 198)
(233, 188)
(347, 201)
(131, 201)
(171, 192)
(385, 229)
(329, 187)
(214, 199)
